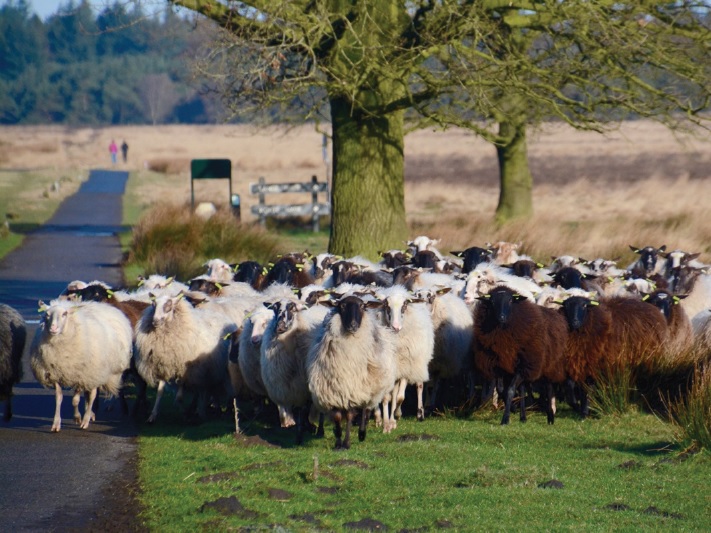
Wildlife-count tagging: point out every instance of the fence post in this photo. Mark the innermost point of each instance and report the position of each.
(262, 216)
(314, 207)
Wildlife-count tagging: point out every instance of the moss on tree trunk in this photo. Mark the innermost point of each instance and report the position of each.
(515, 180)
(367, 195)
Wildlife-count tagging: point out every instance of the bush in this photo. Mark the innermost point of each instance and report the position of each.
(691, 413)
(170, 240)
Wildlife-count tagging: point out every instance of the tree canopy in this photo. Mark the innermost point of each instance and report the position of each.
(493, 66)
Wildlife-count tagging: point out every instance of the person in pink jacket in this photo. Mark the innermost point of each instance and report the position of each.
(113, 149)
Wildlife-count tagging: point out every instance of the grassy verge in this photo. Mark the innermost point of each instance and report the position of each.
(468, 474)
(30, 198)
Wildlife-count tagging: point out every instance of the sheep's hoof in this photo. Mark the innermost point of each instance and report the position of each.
(77, 420)
(320, 432)
(421, 415)
(151, 419)
(361, 435)
(55, 429)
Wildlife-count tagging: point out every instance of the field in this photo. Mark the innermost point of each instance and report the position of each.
(592, 193)
(593, 196)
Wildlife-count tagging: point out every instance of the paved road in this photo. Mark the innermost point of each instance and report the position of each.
(57, 481)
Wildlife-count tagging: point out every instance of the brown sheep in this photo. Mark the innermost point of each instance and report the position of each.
(681, 335)
(521, 342)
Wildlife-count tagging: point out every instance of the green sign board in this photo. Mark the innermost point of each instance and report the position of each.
(209, 169)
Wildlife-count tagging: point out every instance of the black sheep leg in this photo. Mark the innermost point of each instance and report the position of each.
(349, 423)
(363, 424)
(337, 417)
(549, 402)
(511, 383)
(522, 394)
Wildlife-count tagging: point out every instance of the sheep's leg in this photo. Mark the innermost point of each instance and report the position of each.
(522, 395)
(386, 412)
(398, 399)
(420, 406)
(363, 424)
(570, 395)
(510, 386)
(320, 429)
(76, 398)
(378, 416)
(89, 397)
(349, 422)
(89, 406)
(432, 392)
(202, 398)
(159, 395)
(141, 397)
(57, 422)
(550, 403)
(302, 419)
(286, 418)
(337, 416)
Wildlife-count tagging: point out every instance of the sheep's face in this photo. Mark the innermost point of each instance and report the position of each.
(403, 275)
(501, 301)
(472, 257)
(209, 287)
(394, 311)
(576, 309)
(648, 256)
(285, 315)
(248, 272)
(260, 320)
(569, 278)
(351, 309)
(282, 272)
(55, 319)
(664, 301)
(163, 309)
(524, 268)
(218, 270)
(395, 258)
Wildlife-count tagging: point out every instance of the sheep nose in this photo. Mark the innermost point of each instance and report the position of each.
(397, 327)
(256, 339)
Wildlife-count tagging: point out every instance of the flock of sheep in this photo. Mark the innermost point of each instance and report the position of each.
(341, 337)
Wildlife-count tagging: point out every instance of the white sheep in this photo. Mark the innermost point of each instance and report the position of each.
(423, 242)
(13, 334)
(157, 284)
(218, 270)
(176, 342)
(410, 319)
(285, 345)
(351, 364)
(85, 345)
(453, 325)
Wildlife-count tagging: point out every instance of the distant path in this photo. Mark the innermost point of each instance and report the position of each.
(61, 481)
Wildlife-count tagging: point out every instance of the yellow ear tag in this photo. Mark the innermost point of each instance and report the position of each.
(270, 265)
(226, 337)
(540, 265)
(110, 293)
(265, 271)
(645, 297)
(593, 302)
(676, 300)
(219, 286)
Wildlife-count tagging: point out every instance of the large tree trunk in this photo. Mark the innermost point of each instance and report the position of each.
(516, 183)
(368, 186)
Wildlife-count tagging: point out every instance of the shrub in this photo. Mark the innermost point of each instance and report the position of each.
(691, 413)
(170, 240)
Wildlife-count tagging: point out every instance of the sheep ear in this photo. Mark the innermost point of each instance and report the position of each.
(152, 296)
(634, 248)
(42, 307)
(662, 248)
(679, 298)
(457, 254)
(328, 303)
(443, 290)
(374, 304)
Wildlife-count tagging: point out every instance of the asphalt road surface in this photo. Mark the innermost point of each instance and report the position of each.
(76, 479)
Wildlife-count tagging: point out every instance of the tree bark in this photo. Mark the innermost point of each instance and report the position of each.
(515, 180)
(367, 194)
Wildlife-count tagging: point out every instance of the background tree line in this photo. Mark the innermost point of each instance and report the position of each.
(120, 66)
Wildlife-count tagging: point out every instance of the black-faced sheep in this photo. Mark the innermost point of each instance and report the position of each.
(174, 341)
(520, 342)
(86, 346)
(252, 273)
(646, 264)
(13, 335)
(472, 256)
(351, 364)
(291, 269)
(680, 336)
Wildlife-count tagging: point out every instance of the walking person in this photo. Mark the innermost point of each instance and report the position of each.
(113, 149)
(124, 150)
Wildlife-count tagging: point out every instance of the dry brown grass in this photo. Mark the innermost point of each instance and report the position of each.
(593, 194)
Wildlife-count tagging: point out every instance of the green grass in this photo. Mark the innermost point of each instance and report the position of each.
(27, 200)
(472, 474)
